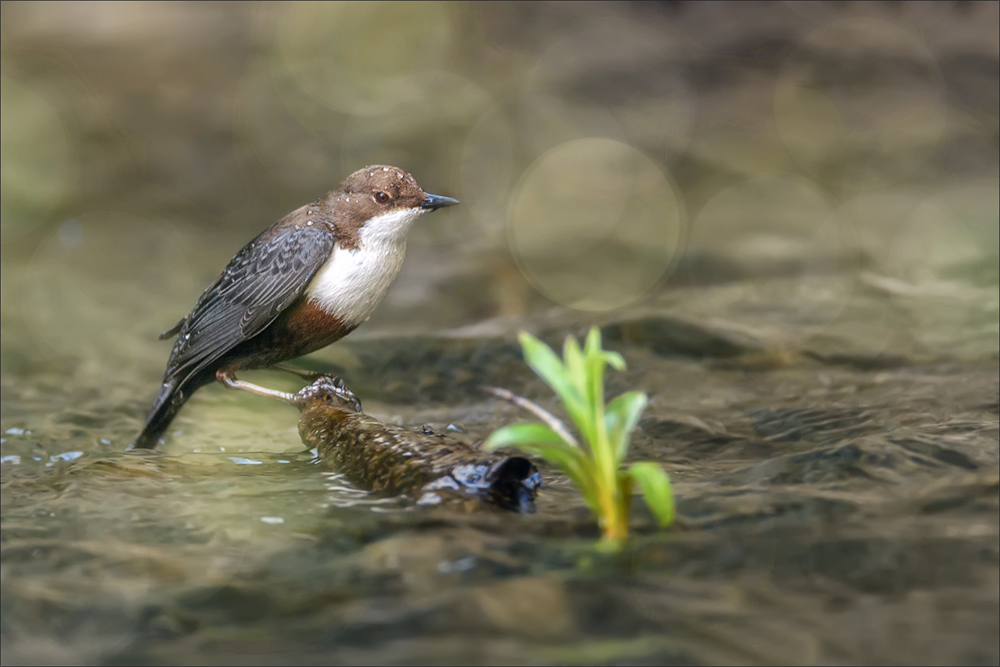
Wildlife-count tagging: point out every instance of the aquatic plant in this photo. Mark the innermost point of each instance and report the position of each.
(595, 467)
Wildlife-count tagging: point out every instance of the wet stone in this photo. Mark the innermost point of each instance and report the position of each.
(429, 466)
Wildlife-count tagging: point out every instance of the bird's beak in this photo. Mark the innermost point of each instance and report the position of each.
(432, 202)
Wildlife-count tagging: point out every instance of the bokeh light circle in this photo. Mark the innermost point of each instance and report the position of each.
(948, 236)
(594, 224)
(877, 217)
(944, 270)
(772, 239)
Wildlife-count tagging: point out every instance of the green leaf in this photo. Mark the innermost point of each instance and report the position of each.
(575, 465)
(614, 360)
(575, 367)
(609, 357)
(594, 371)
(577, 372)
(578, 380)
(550, 368)
(523, 435)
(621, 417)
(543, 361)
(656, 490)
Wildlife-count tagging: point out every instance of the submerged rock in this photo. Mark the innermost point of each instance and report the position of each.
(427, 465)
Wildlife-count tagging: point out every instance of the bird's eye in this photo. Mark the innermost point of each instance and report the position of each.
(381, 197)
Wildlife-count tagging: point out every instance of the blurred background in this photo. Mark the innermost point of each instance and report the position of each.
(785, 215)
(602, 152)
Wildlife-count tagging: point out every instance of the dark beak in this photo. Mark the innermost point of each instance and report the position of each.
(433, 202)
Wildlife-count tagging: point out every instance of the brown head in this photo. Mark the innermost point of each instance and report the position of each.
(379, 203)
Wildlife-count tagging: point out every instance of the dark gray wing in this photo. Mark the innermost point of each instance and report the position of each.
(263, 279)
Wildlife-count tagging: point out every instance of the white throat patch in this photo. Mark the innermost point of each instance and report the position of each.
(389, 227)
(352, 283)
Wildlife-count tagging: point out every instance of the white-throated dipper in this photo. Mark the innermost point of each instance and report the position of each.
(305, 282)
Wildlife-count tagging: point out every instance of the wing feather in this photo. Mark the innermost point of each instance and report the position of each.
(263, 279)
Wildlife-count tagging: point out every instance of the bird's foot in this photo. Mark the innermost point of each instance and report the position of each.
(331, 389)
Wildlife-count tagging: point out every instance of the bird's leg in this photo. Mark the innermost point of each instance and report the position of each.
(229, 381)
(322, 385)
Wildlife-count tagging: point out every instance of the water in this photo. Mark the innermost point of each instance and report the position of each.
(834, 511)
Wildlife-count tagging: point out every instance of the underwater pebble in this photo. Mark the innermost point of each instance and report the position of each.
(244, 462)
(272, 520)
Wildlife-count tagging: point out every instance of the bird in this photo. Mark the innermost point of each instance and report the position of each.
(303, 283)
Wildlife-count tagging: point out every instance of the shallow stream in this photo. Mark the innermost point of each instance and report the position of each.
(839, 502)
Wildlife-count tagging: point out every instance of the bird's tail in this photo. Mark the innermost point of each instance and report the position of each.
(172, 396)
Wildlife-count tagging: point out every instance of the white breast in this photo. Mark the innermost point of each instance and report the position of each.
(352, 283)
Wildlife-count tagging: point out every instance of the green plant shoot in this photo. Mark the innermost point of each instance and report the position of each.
(595, 466)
